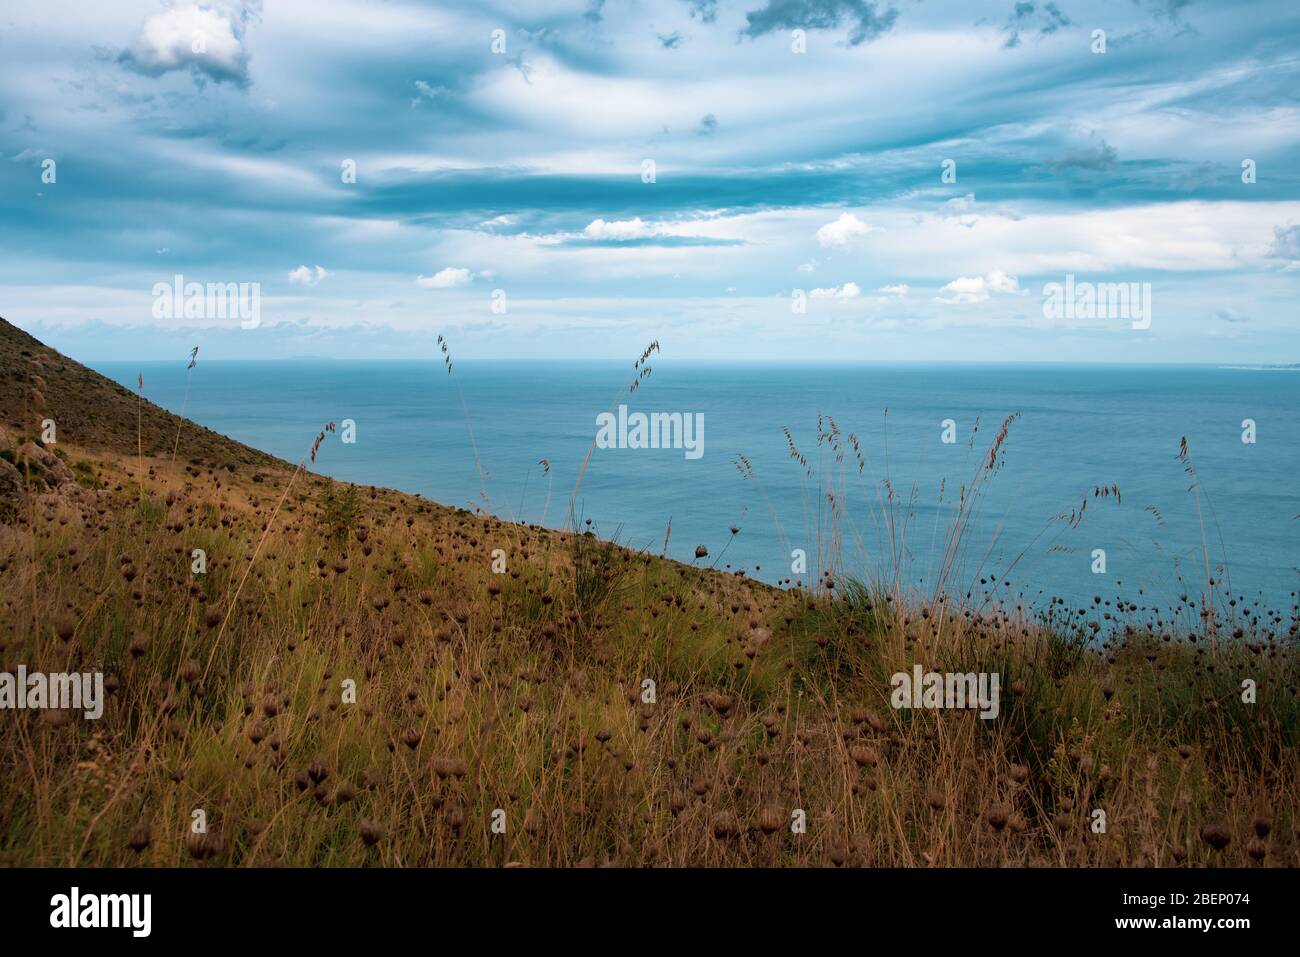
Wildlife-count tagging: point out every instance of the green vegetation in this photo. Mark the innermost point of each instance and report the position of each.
(360, 677)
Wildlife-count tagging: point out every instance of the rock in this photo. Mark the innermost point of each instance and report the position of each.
(47, 463)
(71, 493)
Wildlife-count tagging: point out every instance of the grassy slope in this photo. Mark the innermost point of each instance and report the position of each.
(95, 413)
(521, 691)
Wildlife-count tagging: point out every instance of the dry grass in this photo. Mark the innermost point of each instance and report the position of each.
(522, 691)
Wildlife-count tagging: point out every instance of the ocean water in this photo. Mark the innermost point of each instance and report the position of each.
(1078, 428)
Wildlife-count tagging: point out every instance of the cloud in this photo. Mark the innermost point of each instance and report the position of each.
(624, 229)
(637, 232)
(1169, 9)
(1227, 315)
(306, 276)
(1053, 19)
(1047, 18)
(961, 209)
(526, 69)
(900, 290)
(205, 38)
(706, 10)
(504, 221)
(842, 231)
(849, 290)
(425, 91)
(867, 22)
(969, 289)
(1097, 157)
(740, 209)
(448, 278)
(1286, 245)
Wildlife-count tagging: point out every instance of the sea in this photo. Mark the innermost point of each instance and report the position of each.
(878, 471)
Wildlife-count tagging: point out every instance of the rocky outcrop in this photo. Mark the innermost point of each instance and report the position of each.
(46, 464)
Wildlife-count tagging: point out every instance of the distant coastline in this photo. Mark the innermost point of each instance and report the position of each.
(1292, 367)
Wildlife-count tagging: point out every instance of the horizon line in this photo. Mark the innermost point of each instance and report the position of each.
(554, 360)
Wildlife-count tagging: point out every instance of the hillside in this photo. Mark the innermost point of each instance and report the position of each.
(95, 413)
(326, 675)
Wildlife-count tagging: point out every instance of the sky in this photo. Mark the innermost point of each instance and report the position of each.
(737, 179)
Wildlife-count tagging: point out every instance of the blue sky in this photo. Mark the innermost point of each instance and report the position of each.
(521, 171)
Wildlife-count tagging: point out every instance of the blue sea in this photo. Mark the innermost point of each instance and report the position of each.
(418, 428)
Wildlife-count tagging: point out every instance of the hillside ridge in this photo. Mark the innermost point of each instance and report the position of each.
(95, 413)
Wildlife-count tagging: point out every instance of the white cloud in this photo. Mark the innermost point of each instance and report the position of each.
(1286, 245)
(306, 275)
(424, 91)
(202, 37)
(849, 290)
(619, 229)
(900, 290)
(722, 230)
(1174, 237)
(842, 231)
(999, 281)
(967, 289)
(447, 278)
(961, 209)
